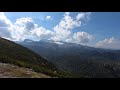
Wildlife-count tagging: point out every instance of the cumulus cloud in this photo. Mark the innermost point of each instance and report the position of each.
(83, 16)
(56, 38)
(58, 42)
(22, 27)
(69, 40)
(67, 24)
(82, 37)
(26, 27)
(62, 32)
(27, 23)
(18, 33)
(5, 25)
(42, 33)
(80, 16)
(4, 21)
(110, 43)
(48, 17)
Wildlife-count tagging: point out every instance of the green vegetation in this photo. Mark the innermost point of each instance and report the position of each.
(85, 66)
(13, 53)
(97, 69)
(78, 60)
(13, 71)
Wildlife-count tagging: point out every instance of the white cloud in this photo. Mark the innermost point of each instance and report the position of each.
(27, 23)
(26, 27)
(4, 21)
(62, 32)
(22, 27)
(58, 42)
(69, 40)
(63, 29)
(110, 43)
(56, 38)
(48, 17)
(83, 16)
(80, 16)
(5, 25)
(18, 33)
(66, 24)
(82, 37)
(67, 13)
(42, 33)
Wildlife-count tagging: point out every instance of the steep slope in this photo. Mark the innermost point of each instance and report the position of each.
(82, 60)
(13, 53)
(13, 71)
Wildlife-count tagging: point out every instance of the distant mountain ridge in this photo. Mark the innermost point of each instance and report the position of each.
(16, 54)
(74, 57)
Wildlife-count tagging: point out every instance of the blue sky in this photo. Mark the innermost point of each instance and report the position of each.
(97, 29)
(104, 25)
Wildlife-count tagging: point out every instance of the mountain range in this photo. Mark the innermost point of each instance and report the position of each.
(82, 61)
(13, 53)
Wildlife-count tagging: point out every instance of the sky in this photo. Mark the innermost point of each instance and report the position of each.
(96, 29)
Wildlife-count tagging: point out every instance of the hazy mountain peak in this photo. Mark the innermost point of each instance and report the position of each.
(13, 53)
(58, 42)
(28, 40)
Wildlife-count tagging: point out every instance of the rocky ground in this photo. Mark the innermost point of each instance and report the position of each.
(12, 71)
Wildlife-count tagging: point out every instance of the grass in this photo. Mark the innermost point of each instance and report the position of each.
(11, 70)
(13, 53)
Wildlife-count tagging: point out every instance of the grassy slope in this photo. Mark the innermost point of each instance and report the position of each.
(13, 71)
(13, 53)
